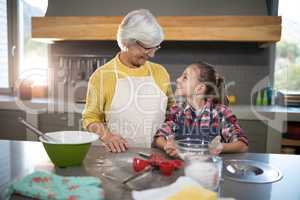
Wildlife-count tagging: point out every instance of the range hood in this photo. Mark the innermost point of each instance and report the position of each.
(230, 21)
(260, 29)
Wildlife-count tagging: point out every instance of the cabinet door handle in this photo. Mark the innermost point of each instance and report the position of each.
(63, 118)
(13, 49)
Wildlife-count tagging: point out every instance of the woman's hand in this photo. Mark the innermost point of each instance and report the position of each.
(114, 143)
(170, 148)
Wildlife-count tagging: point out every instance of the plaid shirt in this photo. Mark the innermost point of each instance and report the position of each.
(215, 118)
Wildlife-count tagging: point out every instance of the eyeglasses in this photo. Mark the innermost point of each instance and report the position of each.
(147, 49)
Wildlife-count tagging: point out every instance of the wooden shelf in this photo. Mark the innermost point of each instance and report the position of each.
(260, 29)
(290, 142)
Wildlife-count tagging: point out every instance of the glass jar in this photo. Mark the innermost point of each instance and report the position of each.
(200, 165)
(206, 171)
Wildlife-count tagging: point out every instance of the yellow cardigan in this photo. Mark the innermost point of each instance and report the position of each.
(101, 87)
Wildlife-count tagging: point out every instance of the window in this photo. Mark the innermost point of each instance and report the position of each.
(287, 65)
(33, 55)
(4, 80)
(21, 57)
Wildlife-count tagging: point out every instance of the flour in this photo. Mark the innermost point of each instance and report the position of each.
(206, 173)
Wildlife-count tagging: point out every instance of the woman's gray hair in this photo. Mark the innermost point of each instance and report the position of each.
(139, 25)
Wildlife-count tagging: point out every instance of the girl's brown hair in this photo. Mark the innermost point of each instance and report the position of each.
(215, 85)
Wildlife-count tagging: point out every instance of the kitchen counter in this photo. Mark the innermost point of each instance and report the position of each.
(39, 105)
(266, 112)
(19, 158)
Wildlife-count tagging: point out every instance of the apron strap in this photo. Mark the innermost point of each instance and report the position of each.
(150, 70)
(115, 69)
(220, 124)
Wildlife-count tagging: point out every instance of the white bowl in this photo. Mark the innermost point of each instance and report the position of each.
(70, 137)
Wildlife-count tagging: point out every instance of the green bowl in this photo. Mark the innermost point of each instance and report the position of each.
(69, 148)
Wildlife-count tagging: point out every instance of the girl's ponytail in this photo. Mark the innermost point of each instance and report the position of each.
(221, 97)
(215, 85)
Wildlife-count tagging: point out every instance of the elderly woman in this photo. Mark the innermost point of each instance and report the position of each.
(127, 97)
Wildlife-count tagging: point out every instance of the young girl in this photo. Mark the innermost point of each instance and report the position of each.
(203, 116)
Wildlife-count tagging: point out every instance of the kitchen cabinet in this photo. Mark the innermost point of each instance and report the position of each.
(48, 122)
(10, 127)
(256, 131)
(260, 29)
(291, 139)
(290, 142)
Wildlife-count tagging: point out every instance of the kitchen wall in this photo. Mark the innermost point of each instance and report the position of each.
(242, 64)
(158, 7)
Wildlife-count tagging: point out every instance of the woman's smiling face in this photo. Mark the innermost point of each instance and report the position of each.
(139, 53)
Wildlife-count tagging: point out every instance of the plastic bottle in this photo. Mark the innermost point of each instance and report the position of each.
(258, 100)
(265, 97)
(269, 95)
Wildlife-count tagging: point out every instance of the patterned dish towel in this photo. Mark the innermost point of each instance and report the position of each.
(45, 185)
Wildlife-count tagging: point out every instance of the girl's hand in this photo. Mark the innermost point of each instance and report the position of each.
(170, 148)
(216, 147)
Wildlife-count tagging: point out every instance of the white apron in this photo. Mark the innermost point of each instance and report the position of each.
(137, 109)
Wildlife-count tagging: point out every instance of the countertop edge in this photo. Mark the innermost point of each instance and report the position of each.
(247, 112)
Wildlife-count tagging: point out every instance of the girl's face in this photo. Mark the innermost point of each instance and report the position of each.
(187, 84)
